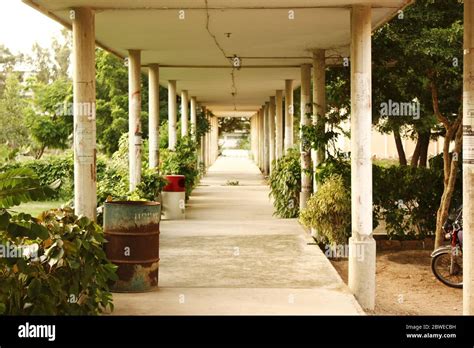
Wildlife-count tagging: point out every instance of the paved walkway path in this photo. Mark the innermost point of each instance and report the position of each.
(231, 256)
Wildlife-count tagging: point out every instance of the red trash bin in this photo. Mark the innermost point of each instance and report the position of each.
(176, 183)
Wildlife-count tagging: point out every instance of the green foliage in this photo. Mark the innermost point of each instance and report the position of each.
(182, 161)
(50, 116)
(151, 185)
(329, 211)
(62, 269)
(407, 198)
(19, 186)
(12, 114)
(50, 170)
(285, 184)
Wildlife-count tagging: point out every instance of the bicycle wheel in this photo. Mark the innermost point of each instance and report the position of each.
(441, 266)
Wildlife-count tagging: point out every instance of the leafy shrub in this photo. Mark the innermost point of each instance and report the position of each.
(407, 198)
(285, 184)
(64, 272)
(329, 211)
(182, 161)
(50, 170)
(51, 265)
(21, 185)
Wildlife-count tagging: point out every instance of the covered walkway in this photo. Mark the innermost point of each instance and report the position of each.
(231, 256)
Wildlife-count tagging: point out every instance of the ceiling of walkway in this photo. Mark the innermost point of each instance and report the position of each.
(191, 39)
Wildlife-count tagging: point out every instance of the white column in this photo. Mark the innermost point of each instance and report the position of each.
(319, 103)
(172, 115)
(134, 123)
(85, 182)
(468, 159)
(289, 111)
(271, 137)
(266, 138)
(261, 139)
(305, 148)
(279, 151)
(254, 137)
(154, 115)
(184, 113)
(193, 117)
(362, 250)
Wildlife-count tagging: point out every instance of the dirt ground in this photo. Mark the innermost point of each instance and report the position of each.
(406, 285)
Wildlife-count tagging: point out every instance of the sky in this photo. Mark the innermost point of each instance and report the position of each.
(21, 26)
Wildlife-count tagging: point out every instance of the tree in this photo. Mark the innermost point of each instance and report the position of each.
(12, 110)
(50, 115)
(419, 55)
(7, 63)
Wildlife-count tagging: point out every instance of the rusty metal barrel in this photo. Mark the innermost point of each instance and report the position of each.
(132, 229)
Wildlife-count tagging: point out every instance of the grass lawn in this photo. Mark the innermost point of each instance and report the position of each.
(36, 208)
(386, 162)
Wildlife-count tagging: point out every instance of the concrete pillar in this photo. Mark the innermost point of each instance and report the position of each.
(254, 137)
(289, 111)
(184, 113)
(154, 115)
(172, 115)
(468, 160)
(319, 103)
(134, 123)
(261, 139)
(305, 147)
(271, 138)
(362, 250)
(203, 143)
(193, 117)
(266, 138)
(85, 179)
(279, 124)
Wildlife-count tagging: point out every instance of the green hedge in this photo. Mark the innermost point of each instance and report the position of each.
(407, 198)
(285, 184)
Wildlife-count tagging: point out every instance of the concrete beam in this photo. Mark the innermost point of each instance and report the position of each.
(154, 115)
(134, 114)
(85, 171)
(361, 269)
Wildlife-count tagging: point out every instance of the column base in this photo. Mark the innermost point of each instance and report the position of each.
(362, 259)
(304, 196)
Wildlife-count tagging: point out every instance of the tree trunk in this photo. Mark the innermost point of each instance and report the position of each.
(453, 130)
(424, 147)
(416, 154)
(402, 158)
(449, 184)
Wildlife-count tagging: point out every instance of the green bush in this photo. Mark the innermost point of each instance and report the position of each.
(329, 211)
(62, 269)
(49, 170)
(407, 198)
(285, 184)
(182, 161)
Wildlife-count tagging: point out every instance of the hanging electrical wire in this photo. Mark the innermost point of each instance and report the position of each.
(232, 74)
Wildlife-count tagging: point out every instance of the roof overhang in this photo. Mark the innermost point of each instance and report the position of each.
(271, 45)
